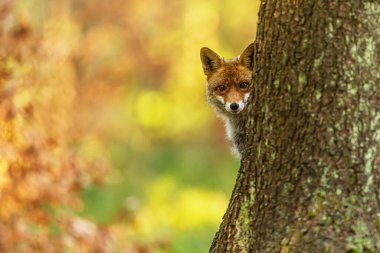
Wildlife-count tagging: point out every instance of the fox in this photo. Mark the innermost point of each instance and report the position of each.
(228, 89)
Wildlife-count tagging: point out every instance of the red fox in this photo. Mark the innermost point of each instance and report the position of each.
(228, 89)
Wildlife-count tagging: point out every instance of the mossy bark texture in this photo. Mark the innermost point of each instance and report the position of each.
(309, 180)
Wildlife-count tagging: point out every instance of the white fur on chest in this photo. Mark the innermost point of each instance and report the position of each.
(229, 129)
(230, 132)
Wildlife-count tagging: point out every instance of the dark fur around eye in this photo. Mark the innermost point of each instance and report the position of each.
(221, 88)
(243, 85)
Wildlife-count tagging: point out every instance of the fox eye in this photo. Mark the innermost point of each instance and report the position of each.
(243, 85)
(221, 88)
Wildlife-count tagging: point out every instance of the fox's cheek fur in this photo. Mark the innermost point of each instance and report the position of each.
(246, 97)
(220, 99)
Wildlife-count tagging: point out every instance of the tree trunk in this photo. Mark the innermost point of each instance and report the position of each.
(309, 179)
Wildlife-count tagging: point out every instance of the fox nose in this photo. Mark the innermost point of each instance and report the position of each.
(234, 106)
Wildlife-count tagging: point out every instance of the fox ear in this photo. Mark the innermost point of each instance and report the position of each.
(211, 61)
(246, 58)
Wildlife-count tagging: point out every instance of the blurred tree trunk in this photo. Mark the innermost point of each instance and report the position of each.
(310, 176)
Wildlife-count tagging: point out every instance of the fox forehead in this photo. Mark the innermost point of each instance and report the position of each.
(229, 73)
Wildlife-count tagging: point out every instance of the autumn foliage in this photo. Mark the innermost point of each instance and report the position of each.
(40, 173)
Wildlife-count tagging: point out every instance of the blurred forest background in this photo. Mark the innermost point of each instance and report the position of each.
(107, 143)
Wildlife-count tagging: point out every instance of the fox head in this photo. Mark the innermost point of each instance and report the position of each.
(228, 80)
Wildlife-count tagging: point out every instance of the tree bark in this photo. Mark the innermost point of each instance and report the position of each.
(310, 174)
